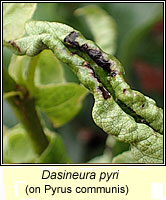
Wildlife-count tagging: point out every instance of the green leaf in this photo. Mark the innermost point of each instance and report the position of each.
(60, 102)
(55, 152)
(49, 69)
(17, 146)
(120, 111)
(22, 70)
(125, 157)
(102, 26)
(18, 67)
(116, 146)
(45, 68)
(14, 17)
(105, 158)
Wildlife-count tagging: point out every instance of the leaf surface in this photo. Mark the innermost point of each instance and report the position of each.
(55, 152)
(48, 69)
(125, 157)
(60, 102)
(17, 148)
(14, 17)
(42, 69)
(102, 26)
(120, 111)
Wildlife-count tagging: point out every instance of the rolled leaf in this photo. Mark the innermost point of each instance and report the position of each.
(120, 111)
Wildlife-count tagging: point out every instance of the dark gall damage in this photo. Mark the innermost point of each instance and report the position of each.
(113, 74)
(95, 54)
(124, 91)
(105, 93)
(14, 45)
(86, 64)
(71, 39)
(92, 73)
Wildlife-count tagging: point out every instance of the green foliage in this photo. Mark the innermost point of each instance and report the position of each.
(102, 26)
(47, 86)
(120, 111)
(108, 112)
(48, 69)
(14, 17)
(55, 152)
(105, 158)
(125, 157)
(40, 79)
(18, 148)
(53, 99)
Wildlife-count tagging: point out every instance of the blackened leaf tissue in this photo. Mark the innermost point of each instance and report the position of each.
(95, 54)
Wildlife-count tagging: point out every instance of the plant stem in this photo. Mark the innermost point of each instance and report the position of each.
(26, 112)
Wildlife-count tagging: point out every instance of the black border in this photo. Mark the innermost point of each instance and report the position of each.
(81, 164)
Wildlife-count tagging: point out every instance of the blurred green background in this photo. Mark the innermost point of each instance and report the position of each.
(140, 50)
